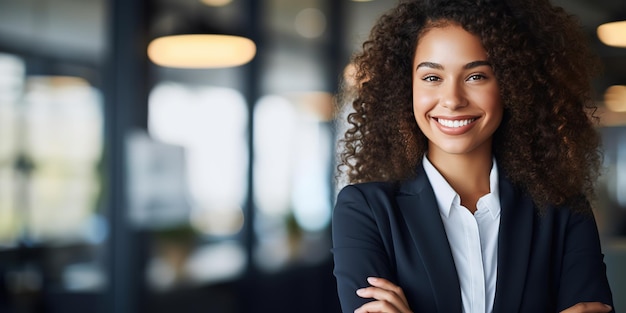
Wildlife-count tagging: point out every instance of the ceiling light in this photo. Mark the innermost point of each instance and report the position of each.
(201, 51)
(613, 34)
(615, 98)
(310, 23)
(216, 3)
(188, 41)
(57, 81)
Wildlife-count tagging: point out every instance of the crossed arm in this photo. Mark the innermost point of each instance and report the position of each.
(389, 298)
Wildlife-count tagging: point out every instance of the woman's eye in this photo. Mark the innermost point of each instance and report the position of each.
(476, 77)
(431, 78)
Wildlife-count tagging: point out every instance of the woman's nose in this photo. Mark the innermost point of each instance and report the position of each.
(453, 96)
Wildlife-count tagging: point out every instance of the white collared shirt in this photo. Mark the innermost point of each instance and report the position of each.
(473, 238)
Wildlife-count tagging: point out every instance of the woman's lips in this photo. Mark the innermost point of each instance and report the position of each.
(455, 126)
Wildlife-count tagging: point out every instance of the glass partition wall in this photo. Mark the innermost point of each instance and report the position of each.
(52, 223)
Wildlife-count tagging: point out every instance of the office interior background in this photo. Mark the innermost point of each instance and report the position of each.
(128, 186)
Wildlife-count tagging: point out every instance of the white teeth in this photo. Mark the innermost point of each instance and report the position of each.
(455, 123)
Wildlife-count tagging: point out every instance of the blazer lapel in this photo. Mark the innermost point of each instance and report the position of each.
(418, 205)
(516, 226)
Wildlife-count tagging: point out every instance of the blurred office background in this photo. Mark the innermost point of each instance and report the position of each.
(127, 186)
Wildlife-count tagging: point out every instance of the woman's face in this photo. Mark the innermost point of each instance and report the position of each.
(456, 100)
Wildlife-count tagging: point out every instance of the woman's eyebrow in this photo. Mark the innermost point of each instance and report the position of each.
(431, 65)
(476, 64)
(467, 66)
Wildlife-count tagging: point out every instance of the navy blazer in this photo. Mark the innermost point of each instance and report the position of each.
(547, 261)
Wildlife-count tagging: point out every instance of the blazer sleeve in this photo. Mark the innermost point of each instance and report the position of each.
(583, 272)
(358, 247)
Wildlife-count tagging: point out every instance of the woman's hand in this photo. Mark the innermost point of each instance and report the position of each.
(390, 298)
(588, 307)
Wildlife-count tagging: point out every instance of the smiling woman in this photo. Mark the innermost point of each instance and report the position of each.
(456, 100)
(465, 112)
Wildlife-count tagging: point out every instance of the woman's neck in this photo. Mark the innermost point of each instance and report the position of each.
(467, 174)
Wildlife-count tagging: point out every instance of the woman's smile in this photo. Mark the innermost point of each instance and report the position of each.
(455, 125)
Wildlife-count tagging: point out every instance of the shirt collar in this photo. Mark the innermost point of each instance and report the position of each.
(446, 196)
(491, 201)
(443, 191)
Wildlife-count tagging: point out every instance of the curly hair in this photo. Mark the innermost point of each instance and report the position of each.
(546, 144)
